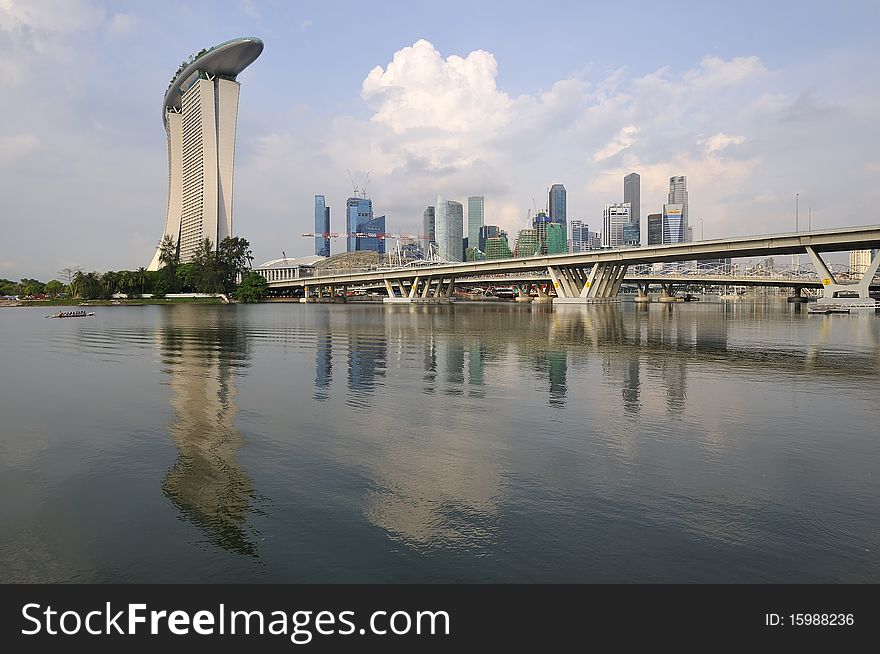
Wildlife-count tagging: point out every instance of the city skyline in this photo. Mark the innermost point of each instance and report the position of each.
(729, 108)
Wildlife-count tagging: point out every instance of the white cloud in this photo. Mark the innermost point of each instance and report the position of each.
(720, 141)
(441, 125)
(48, 15)
(624, 139)
(15, 147)
(122, 25)
(421, 90)
(248, 7)
(715, 73)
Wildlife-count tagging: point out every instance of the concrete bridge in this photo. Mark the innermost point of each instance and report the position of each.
(597, 276)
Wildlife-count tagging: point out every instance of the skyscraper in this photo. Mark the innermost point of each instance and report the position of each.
(497, 247)
(448, 227)
(527, 243)
(556, 204)
(580, 236)
(631, 236)
(200, 112)
(374, 243)
(859, 260)
(475, 218)
(428, 228)
(614, 217)
(655, 229)
(487, 232)
(632, 196)
(539, 224)
(678, 194)
(554, 239)
(322, 227)
(673, 224)
(359, 220)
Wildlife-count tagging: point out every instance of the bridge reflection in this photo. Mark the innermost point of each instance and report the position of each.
(458, 349)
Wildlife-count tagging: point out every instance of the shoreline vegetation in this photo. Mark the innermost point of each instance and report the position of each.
(129, 302)
(220, 274)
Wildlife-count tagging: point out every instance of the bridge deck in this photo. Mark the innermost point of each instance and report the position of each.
(829, 240)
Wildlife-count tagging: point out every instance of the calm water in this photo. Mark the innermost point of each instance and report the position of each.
(474, 443)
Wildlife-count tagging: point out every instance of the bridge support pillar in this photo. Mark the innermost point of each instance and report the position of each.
(542, 298)
(643, 293)
(798, 295)
(419, 291)
(845, 294)
(667, 294)
(574, 286)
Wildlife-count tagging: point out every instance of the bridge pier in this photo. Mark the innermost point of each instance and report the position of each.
(420, 290)
(542, 298)
(574, 286)
(835, 293)
(798, 295)
(643, 293)
(667, 294)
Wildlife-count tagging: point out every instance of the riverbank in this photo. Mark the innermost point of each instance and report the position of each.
(74, 302)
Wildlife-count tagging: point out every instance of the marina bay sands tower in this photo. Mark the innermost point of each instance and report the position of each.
(200, 112)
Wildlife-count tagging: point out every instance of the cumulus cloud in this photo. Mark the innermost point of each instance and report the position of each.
(625, 138)
(48, 15)
(437, 123)
(421, 89)
(440, 124)
(720, 141)
(715, 73)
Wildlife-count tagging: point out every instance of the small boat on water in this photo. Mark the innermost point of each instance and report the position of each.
(72, 314)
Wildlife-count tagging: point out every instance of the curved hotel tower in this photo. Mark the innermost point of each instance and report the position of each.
(200, 112)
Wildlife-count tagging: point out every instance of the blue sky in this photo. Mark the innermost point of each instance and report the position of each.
(754, 103)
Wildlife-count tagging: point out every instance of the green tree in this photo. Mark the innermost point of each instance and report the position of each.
(86, 285)
(110, 283)
(207, 274)
(54, 287)
(186, 277)
(253, 287)
(234, 260)
(169, 260)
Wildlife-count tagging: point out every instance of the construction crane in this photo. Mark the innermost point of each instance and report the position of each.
(359, 191)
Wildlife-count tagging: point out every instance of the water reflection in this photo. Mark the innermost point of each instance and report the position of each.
(207, 484)
(495, 442)
(367, 356)
(323, 357)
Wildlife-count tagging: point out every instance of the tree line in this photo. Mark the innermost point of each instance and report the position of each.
(224, 270)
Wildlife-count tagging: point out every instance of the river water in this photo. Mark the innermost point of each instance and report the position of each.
(706, 442)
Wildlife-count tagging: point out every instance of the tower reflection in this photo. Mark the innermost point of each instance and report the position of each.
(206, 483)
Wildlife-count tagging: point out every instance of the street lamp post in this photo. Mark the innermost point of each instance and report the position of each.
(795, 258)
(702, 231)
